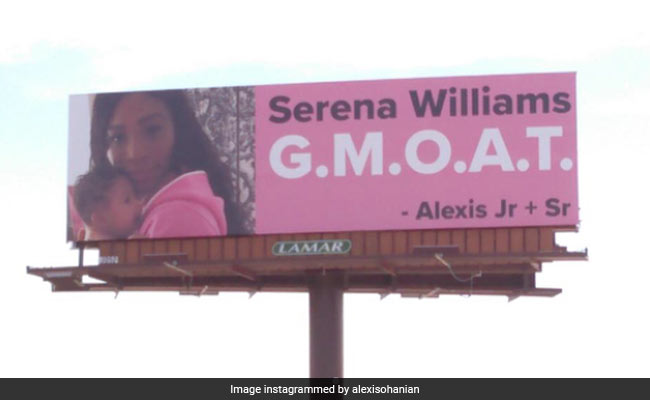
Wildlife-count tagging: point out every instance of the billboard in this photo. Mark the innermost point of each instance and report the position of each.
(426, 153)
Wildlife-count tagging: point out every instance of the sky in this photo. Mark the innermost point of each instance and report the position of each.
(598, 326)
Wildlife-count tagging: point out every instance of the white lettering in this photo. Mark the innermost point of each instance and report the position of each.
(414, 142)
(337, 247)
(344, 148)
(309, 247)
(544, 135)
(303, 160)
(491, 136)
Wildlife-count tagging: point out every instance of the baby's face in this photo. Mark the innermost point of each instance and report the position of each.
(123, 209)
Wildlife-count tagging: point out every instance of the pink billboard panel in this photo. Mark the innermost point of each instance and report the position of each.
(457, 152)
(482, 151)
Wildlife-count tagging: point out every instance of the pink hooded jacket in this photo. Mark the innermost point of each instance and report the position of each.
(185, 206)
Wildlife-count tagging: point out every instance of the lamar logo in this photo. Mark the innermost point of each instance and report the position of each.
(312, 247)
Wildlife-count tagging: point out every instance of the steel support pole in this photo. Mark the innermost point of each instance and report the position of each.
(326, 324)
(81, 254)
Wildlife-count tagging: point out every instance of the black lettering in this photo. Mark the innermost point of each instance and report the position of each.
(502, 211)
(561, 101)
(424, 211)
(532, 100)
(552, 207)
(302, 112)
(475, 100)
(340, 110)
(387, 109)
(486, 100)
(320, 107)
(370, 108)
(460, 211)
(275, 106)
(481, 211)
(463, 102)
(447, 212)
(478, 101)
(452, 102)
(420, 105)
(503, 104)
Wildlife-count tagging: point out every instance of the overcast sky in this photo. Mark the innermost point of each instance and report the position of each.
(597, 327)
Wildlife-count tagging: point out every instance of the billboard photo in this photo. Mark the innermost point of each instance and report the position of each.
(426, 153)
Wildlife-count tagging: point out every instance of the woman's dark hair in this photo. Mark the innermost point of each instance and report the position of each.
(192, 150)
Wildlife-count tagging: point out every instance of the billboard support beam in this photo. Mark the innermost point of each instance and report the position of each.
(326, 324)
(81, 254)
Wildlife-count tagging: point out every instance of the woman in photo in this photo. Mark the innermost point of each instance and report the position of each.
(155, 139)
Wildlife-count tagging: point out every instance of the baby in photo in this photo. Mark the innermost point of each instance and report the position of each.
(106, 201)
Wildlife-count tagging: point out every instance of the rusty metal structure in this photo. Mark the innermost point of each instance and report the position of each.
(425, 263)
